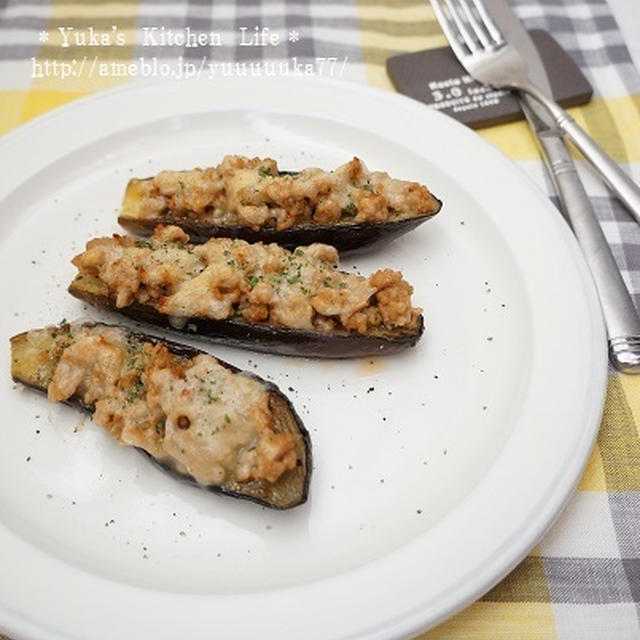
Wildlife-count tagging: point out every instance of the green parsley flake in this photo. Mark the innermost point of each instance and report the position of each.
(134, 392)
(350, 209)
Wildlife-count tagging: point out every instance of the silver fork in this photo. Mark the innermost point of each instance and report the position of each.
(490, 59)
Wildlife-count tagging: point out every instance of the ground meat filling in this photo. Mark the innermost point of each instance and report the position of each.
(193, 414)
(260, 283)
(251, 192)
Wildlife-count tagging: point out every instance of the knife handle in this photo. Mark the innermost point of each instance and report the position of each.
(620, 315)
(617, 180)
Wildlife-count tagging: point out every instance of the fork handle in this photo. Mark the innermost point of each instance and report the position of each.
(617, 180)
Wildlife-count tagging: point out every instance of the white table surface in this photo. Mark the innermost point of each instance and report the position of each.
(627, 14)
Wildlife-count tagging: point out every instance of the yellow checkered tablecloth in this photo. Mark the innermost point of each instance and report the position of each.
(582, 580)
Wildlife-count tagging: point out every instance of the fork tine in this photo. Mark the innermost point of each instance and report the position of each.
(478, 28)
(467, 36)
(489, 24)
(449, 28)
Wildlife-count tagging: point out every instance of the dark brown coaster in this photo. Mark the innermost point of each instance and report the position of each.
(436, 78)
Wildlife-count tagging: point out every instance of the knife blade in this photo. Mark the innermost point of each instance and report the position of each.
(620, 315)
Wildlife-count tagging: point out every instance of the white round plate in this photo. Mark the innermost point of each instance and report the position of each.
(436, 470)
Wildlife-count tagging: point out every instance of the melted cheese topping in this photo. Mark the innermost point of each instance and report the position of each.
(193, 414)
(260, 283)
(251, 192)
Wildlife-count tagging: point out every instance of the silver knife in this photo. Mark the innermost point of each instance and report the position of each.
(620, 315)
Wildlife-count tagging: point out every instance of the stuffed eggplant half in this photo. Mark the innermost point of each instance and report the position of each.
(197, 417)
(256, 296)
(251, 199)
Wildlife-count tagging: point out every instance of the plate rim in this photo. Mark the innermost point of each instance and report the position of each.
(407, 624)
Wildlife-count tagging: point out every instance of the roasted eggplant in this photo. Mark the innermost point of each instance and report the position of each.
(198, 417)
(250, 199)
(256, 296)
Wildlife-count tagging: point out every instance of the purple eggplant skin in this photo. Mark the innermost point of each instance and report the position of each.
(345, 237)
(255, 336)
(290, 490)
